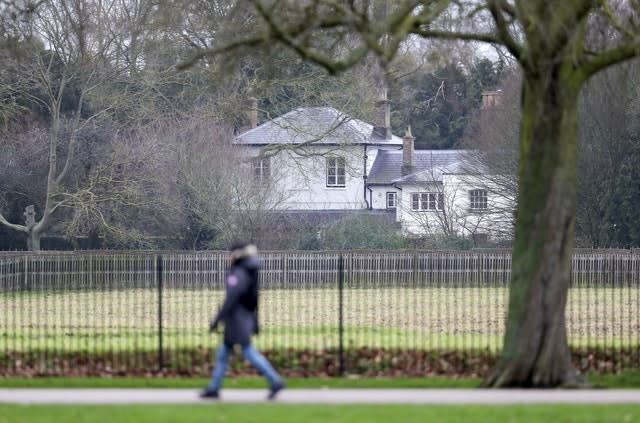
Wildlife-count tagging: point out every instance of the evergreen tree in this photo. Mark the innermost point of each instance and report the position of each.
(623, 214)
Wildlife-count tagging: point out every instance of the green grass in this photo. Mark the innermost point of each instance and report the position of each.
(626, 380)
(319, 337)
(321, 414)
(310, 414)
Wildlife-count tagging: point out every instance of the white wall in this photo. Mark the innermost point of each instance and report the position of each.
(419, 223)
(457, 217)
(299, 183)
(379, 196)
(301, 179)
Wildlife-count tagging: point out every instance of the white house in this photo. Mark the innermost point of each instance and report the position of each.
(441, 192)
(321, 160)
(318, 157)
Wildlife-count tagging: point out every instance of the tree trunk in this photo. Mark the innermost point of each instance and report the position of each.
(536, 351)
(33, 241)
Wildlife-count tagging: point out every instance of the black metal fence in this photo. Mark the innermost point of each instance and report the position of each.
(397, 312)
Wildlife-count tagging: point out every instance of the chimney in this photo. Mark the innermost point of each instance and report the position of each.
(491, 99)
(252, 113)
(382, 128)
(407, 153)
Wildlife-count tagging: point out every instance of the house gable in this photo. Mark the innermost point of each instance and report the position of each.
(322, 157)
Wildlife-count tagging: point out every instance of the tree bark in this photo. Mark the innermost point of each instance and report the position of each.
(33, 241)
(536, 351)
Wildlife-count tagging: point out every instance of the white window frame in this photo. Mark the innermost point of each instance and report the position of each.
(391, 199)
(478, 199)
(427, 201)
(336, 172)
(261, 169)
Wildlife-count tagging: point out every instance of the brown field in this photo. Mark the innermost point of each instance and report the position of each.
(304, 318)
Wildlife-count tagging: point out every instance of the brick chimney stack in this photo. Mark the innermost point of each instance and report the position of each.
(491, 99)
(249, 117)
(252, 112)
(382, 128)
(407, 152)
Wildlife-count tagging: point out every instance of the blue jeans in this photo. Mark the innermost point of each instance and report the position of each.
(252, 355)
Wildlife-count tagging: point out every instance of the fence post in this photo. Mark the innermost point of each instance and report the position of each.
(340, 315)
(160, 346)
(414, 276)
(25, 279)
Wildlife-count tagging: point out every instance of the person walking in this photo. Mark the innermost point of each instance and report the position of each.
(239, 313)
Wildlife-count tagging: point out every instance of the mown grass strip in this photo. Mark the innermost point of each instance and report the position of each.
(267, 413)
(627, 380)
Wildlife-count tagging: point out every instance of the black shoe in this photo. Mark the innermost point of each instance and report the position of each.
(207, 394)
(275, 388)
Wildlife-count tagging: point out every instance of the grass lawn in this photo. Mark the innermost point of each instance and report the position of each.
(627, 380)
(280, 413)
(322, 414)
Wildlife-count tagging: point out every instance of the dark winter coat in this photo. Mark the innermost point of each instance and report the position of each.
(240, 309)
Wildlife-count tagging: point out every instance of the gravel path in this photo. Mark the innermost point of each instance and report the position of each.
(320, 396)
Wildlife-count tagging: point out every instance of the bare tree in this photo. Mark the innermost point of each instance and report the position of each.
(556, 46)
(64, 79)
(442, 206)
(222, 190)
(130, 197)
(605, 140)
(435, 215)
(492, 141)
(494, 131)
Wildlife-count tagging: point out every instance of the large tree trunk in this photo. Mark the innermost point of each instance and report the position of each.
(536, 351)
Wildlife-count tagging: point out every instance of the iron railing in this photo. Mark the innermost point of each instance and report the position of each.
(137, 312)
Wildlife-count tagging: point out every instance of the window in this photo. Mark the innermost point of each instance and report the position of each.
(426, 201)
(261, 170)
(391, 200)
(335, 172)
(478, 199)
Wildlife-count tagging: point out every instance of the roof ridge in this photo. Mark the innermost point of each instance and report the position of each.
(326, 121)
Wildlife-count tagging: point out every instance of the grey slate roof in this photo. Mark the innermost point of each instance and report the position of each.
(429, 166)
(321, 125)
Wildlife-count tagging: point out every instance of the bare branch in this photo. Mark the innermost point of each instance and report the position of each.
(19, 228)
(615, 22)
(452, 35)
(497, 7)
(254, 41)
(606, 58)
